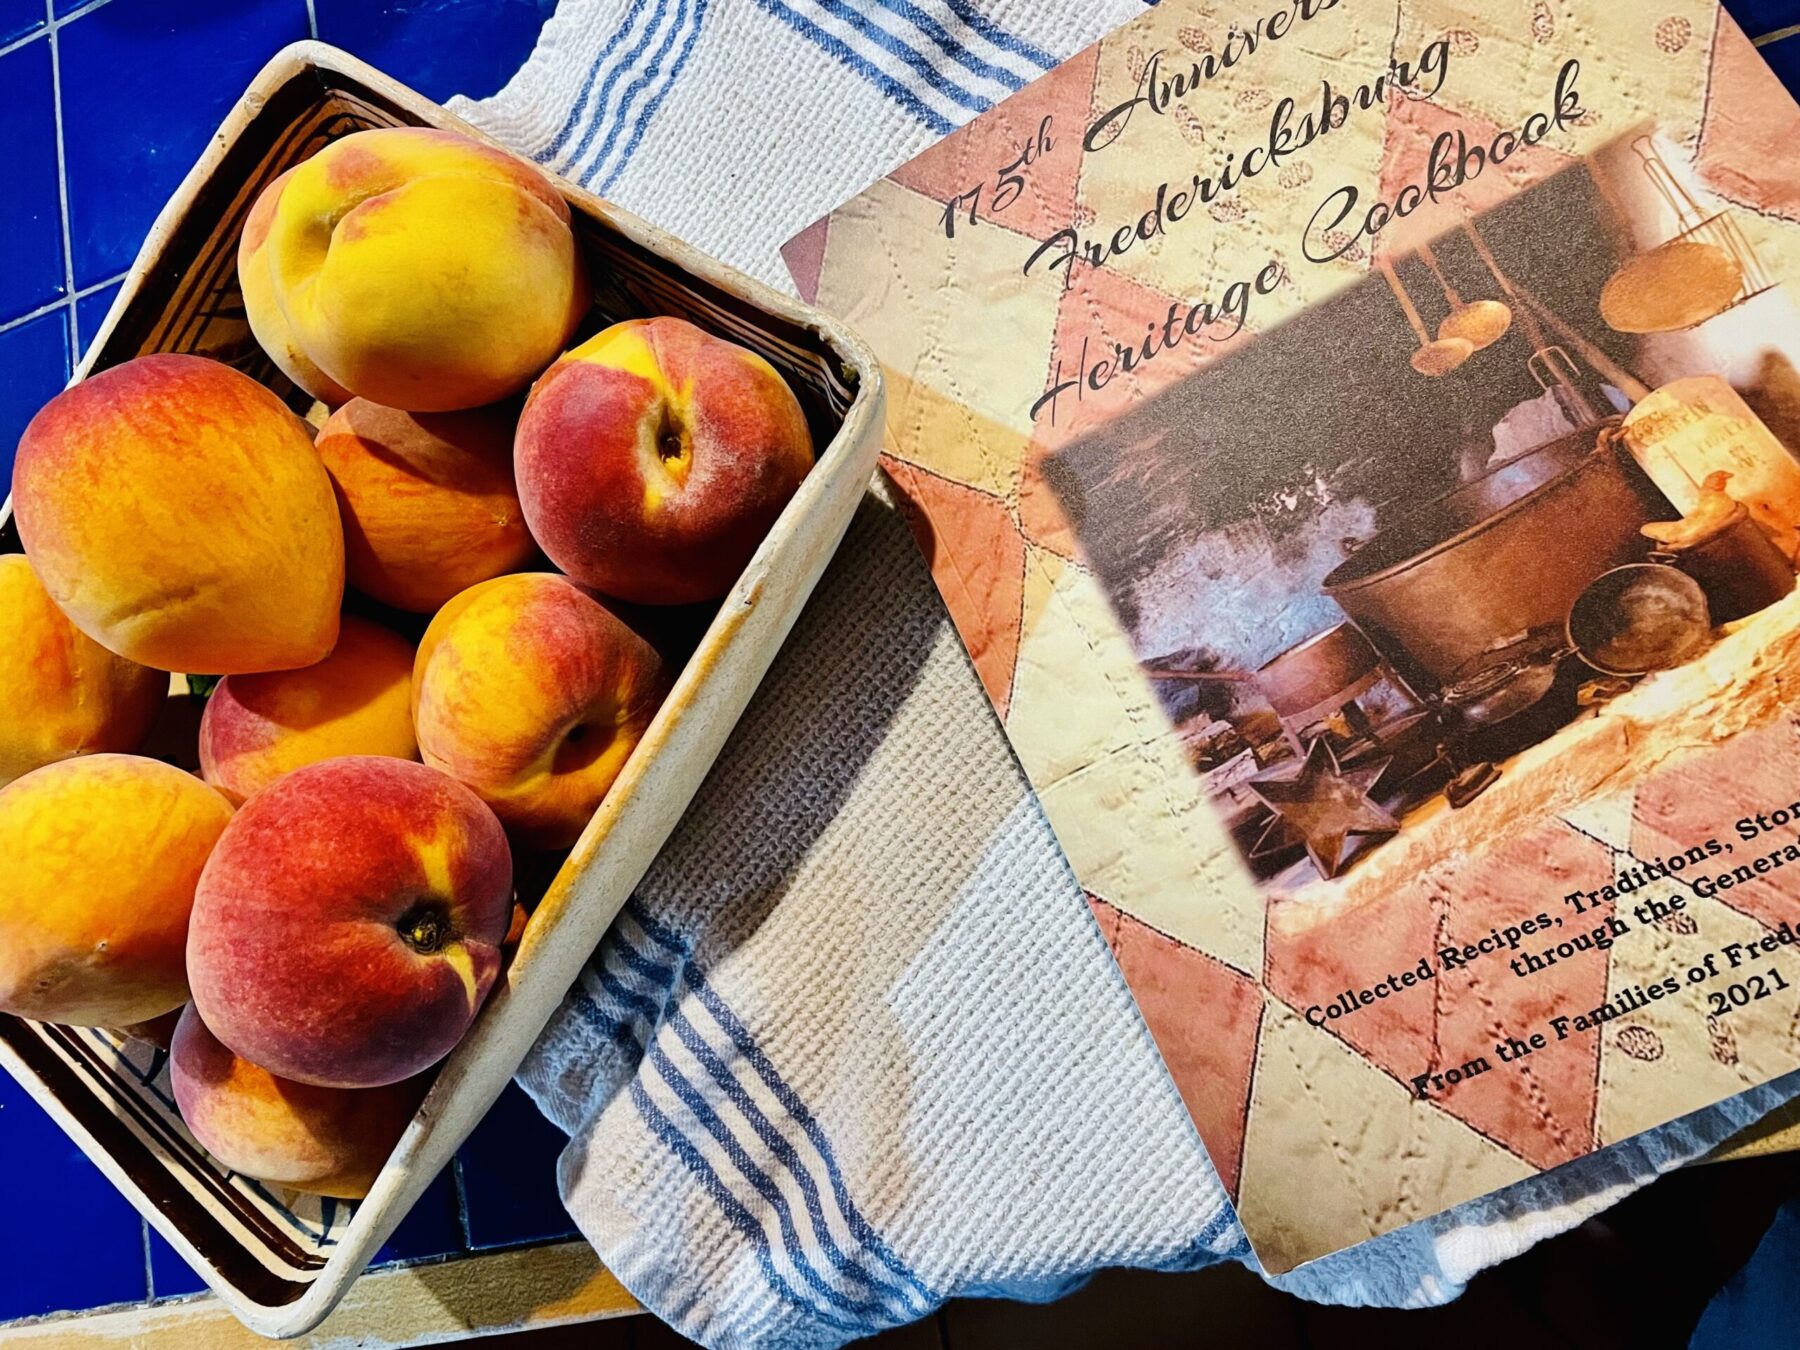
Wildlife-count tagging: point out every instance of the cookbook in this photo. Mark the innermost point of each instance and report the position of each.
(1356, 442)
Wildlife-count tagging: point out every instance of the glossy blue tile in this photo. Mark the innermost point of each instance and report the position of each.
(19, 17)
(90, 310)
(30, 218)
(432, 1227)
(170, 1275)
(439, 47)
(82, 1245)
(34, 364)
(67, 7)
(1784, 59)
(509, 1176)
(1757, 17)
(144, 86)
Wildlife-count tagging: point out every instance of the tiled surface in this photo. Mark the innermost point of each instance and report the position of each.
(110, 61)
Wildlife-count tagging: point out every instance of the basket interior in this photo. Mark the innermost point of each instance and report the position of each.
(268, 1243)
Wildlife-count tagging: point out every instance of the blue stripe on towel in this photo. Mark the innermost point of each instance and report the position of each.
(745, 1044)
(848, 56)
(912, 1303)
(792, 1245)
(574, 118)
(656, 101)
(604, 118)
(935, 77)
(790, 1101)
(641, 79)
(735, 1213)
(945, 42)
(1008, 42)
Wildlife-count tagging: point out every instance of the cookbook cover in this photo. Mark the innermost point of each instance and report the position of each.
(1355, 441)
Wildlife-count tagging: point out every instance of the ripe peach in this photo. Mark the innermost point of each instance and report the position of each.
(424, 270)
(534, 694)
(357, 701)
(427, 500)
(179, 515)
(329, 1141)
(348, 925)
(102, 855)
(267, 322)
(653, 458)
(62, 693)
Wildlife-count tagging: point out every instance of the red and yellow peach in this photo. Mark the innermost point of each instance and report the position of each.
(267, 322)
(427, 500)
(329, 1141)
(177, 512)
(357, 701)
(348, 925)
(534, 694)
(653, 458)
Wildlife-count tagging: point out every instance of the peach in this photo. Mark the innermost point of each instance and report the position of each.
(534, 694)
(357, 701)
(267, 322)
(62, 693)
(653, 458)
(329, 1141)
(102, 856)
(179, 515)
(427, 500)
(424, 270)
(348, 925)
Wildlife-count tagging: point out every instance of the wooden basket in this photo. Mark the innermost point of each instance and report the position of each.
(279, 1259)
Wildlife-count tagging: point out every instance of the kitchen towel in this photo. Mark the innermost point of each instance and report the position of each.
(856, 1045)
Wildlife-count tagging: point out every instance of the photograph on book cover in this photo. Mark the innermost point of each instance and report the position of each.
(1356, 443)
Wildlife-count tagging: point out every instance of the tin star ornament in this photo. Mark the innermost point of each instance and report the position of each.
(1327, 805)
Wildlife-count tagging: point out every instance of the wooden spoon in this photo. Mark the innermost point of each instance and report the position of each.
(1432, 358)
(1481, 322)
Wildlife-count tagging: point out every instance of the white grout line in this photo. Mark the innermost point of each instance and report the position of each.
(61, 302)
(312, 20)
(62, 184)
(1778, 35)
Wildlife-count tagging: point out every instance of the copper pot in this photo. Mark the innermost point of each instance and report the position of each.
(1317, 671)
(1497, 561)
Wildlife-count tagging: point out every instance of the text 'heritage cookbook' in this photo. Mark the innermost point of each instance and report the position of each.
(1356, 442)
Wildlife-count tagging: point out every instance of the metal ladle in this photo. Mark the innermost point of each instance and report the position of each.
(1433, 358)
(1481, 323)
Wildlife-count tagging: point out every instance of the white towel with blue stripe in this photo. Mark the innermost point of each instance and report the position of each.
(856, 1046)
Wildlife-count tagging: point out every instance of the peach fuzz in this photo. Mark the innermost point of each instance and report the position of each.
(329, 1141)
(534, 694)
(427, 500)
(357, 701)
(102, 856)
(177, 512)
(62, 693)
(424, 270)
(654, 457)
(348, 925)
(267, 323)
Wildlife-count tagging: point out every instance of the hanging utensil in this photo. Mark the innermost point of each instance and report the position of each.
(1481, 323)
(1552, 367)
(1703, 271)
(1434, 357)
(1610, 370)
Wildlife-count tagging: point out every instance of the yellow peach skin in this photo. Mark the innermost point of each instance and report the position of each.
(329, 1141)
(62, 693)
(177, 512)
(357, 701)
(423, 270)
(427, 500)
(533, 694)
(267, 321)
(102, 856)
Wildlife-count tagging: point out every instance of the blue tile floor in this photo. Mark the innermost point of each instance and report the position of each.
(86, 173)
